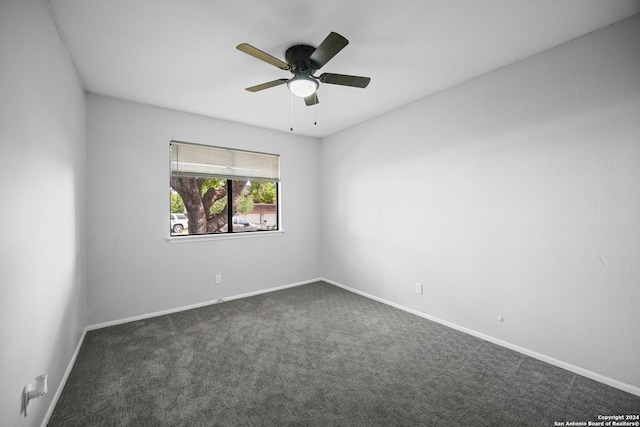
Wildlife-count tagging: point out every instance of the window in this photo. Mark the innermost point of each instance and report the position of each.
(203, 180)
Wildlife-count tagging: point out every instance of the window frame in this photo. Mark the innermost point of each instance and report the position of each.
(230, 233)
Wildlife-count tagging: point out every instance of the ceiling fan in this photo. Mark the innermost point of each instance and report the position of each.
(302, 61)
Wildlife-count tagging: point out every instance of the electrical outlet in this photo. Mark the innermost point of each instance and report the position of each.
(500, 318)
(218, 279)
(419, 288)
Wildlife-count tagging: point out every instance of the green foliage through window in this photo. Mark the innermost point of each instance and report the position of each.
(263, 191)
(177, 204)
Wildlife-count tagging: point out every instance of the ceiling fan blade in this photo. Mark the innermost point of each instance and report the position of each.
(311, 99)
(344, 80)
(333, 44)
(266, 85)
(257, 53)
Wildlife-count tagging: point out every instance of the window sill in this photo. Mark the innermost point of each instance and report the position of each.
(225, 236)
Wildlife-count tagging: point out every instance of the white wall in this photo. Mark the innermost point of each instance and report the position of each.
(42, 214)
(133, 270)
(517, 194)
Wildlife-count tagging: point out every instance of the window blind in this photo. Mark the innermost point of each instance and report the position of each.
(203, 161)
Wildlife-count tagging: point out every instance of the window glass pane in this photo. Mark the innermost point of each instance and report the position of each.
(264, 207)
(256, 206)
(202, 200)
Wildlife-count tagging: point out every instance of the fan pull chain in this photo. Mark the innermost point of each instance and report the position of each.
(315, 110)
(291, 93)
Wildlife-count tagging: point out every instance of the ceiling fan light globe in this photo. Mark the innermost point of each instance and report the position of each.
(302, 86)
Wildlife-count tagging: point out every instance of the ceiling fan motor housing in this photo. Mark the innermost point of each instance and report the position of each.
(297, 57)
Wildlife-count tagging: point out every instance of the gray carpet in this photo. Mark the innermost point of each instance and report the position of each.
(316, 355)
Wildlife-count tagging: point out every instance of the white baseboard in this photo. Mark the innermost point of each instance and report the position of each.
(149, 315)
(277, 288)
(198, 305)
(63, 381)
(544, 358)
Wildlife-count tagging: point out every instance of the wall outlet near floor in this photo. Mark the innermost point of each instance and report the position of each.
(418, 288)
(218, 279)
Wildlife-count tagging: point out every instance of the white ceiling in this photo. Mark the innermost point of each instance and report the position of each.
(181, 54)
